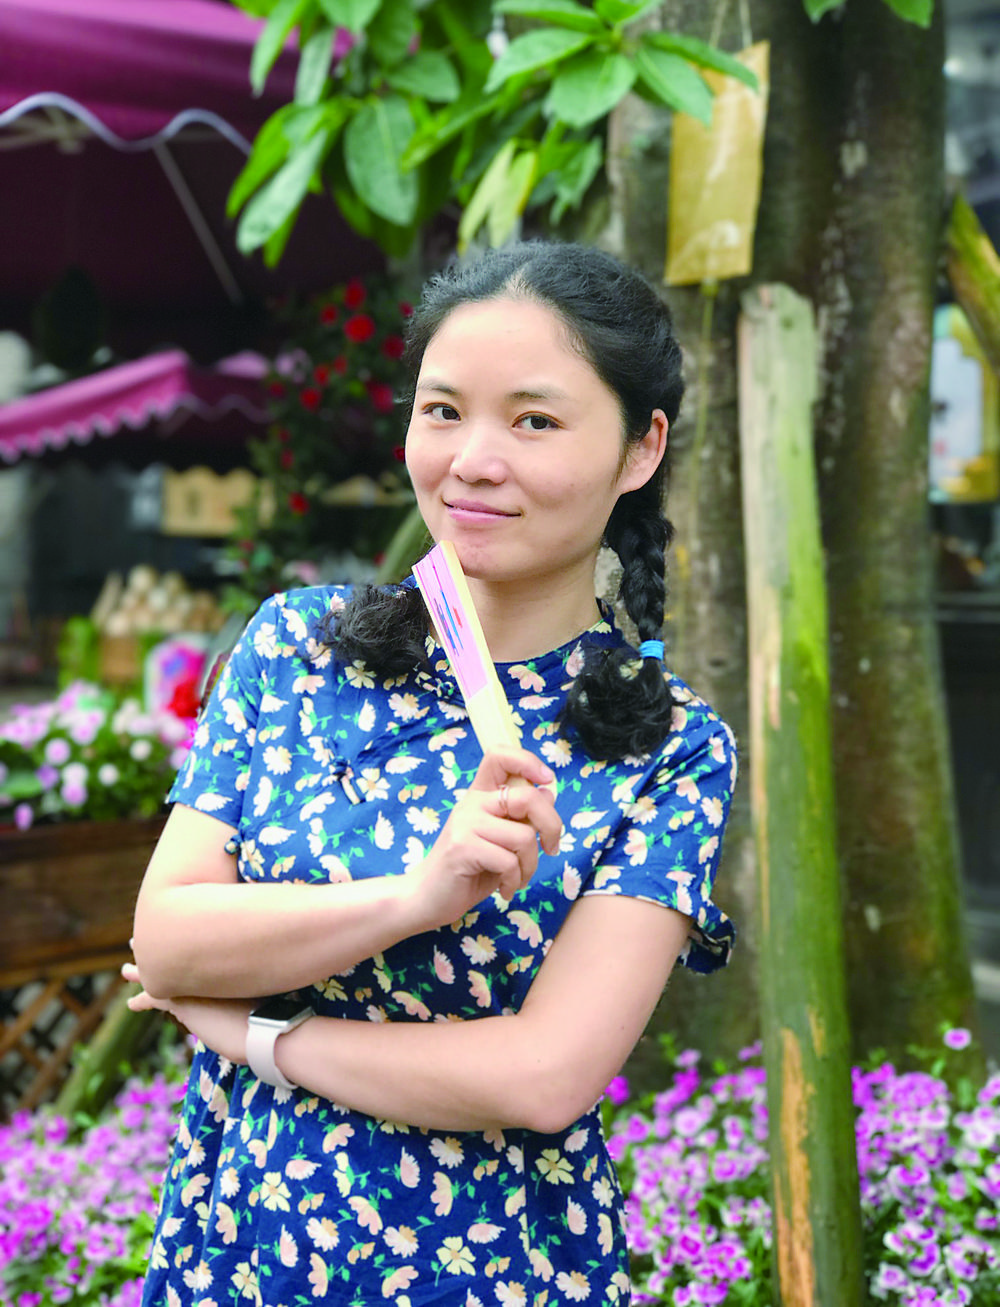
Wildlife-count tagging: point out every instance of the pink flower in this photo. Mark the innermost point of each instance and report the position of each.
(957, 1038)
(57, 752)
(23, 816)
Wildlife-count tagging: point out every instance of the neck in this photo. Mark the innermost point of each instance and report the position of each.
(520, 622)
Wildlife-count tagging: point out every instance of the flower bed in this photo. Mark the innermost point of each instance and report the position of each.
(87, 755)
(694, 1165)
(75, 1218)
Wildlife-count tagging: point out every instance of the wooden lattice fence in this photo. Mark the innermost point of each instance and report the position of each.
(67, 895)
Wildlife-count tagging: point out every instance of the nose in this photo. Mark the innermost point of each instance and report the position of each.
(479, 456)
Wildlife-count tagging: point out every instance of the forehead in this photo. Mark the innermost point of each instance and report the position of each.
(505, 333)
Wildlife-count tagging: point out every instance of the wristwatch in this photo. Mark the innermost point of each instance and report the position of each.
(274, 1017)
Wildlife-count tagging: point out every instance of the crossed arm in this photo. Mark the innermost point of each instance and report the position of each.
(201, 933)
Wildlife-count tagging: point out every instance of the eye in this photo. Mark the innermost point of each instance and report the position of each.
(538, 422)
(442, 412)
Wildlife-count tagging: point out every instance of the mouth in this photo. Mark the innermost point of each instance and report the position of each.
(475, 509)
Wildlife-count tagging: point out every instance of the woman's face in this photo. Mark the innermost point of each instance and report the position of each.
(515, 445)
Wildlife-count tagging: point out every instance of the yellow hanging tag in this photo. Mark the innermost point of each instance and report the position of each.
(715, 177)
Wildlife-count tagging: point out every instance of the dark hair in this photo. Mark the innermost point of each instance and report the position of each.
(622, 328)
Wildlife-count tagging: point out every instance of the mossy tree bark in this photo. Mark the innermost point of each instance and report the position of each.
(851, 217)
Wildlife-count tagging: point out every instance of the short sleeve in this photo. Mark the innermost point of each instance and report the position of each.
(214, 776)
(668, 849)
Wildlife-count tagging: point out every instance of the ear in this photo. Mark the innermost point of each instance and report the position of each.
(645, 455)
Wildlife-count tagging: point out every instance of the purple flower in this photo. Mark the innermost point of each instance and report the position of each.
(46, 776)
(23, 816)
(617, 1091)
(957, 1038)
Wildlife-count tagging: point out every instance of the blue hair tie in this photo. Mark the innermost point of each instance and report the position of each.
(651, 649)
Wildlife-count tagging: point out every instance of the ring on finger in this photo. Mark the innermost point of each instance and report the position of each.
(502, 797)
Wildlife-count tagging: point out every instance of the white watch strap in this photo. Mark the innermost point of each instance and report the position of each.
(261, 1040)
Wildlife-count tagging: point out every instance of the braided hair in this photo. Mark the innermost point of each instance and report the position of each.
(623, 329)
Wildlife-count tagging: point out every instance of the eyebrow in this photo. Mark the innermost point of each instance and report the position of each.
(541, 393)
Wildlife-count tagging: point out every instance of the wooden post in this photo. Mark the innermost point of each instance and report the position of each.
(974, 273)
(817, 1222)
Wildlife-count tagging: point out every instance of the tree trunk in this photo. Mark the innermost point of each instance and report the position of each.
(850, 217)
(907, 959)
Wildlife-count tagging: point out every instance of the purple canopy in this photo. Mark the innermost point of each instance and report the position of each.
(132, 395)
(123, 124)
(137, 68)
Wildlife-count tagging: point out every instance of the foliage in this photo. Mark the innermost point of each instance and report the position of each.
(401, 107)
(88, 755)
(694, 1164)
(76, 1216)
(336, 415)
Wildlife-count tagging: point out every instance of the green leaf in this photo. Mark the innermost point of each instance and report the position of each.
(314, 65)
(270, 149)
(429, 74)
(674, 82)
(576, 176)
(534, 50)
(491, 184)
(512, 200)
(374, 141)
(469, 49)
(285, 15)
(355, 15)
(561, 13)
(259, 8)
(817, 8)
(445, 127)
(281, 197)
(274, 246)
(914, 11)
(621, 12)
(702, 54)
(589, 86)
(391, 31)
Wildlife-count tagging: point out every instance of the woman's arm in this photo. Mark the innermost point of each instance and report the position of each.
(540, 1069)
(200, 931)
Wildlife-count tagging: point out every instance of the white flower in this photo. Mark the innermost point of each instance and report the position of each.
(140, 750)
(108, 773)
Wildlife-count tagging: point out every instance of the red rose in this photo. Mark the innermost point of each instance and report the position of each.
(359, 328)
(393, 347)
(298, 503)
(340, 364)
(276, 388)
(328, 313)
(184, 701)
(320, 373)
(399, 454)
(381, 396)
(310, 399)
(354, 293)
(406, 309)
(287, 459)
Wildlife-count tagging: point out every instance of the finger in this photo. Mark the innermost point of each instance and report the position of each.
(146, 1003)
(504, 766)
(509, 837)
(130, 972)
(537, 807)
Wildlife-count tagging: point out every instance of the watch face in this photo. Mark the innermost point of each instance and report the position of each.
(282, 1007)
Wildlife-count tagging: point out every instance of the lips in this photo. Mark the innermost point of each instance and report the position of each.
(476, 507)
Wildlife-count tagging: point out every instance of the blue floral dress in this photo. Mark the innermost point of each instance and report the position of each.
(329, 773)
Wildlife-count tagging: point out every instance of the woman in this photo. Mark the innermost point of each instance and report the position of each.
(480, 956)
